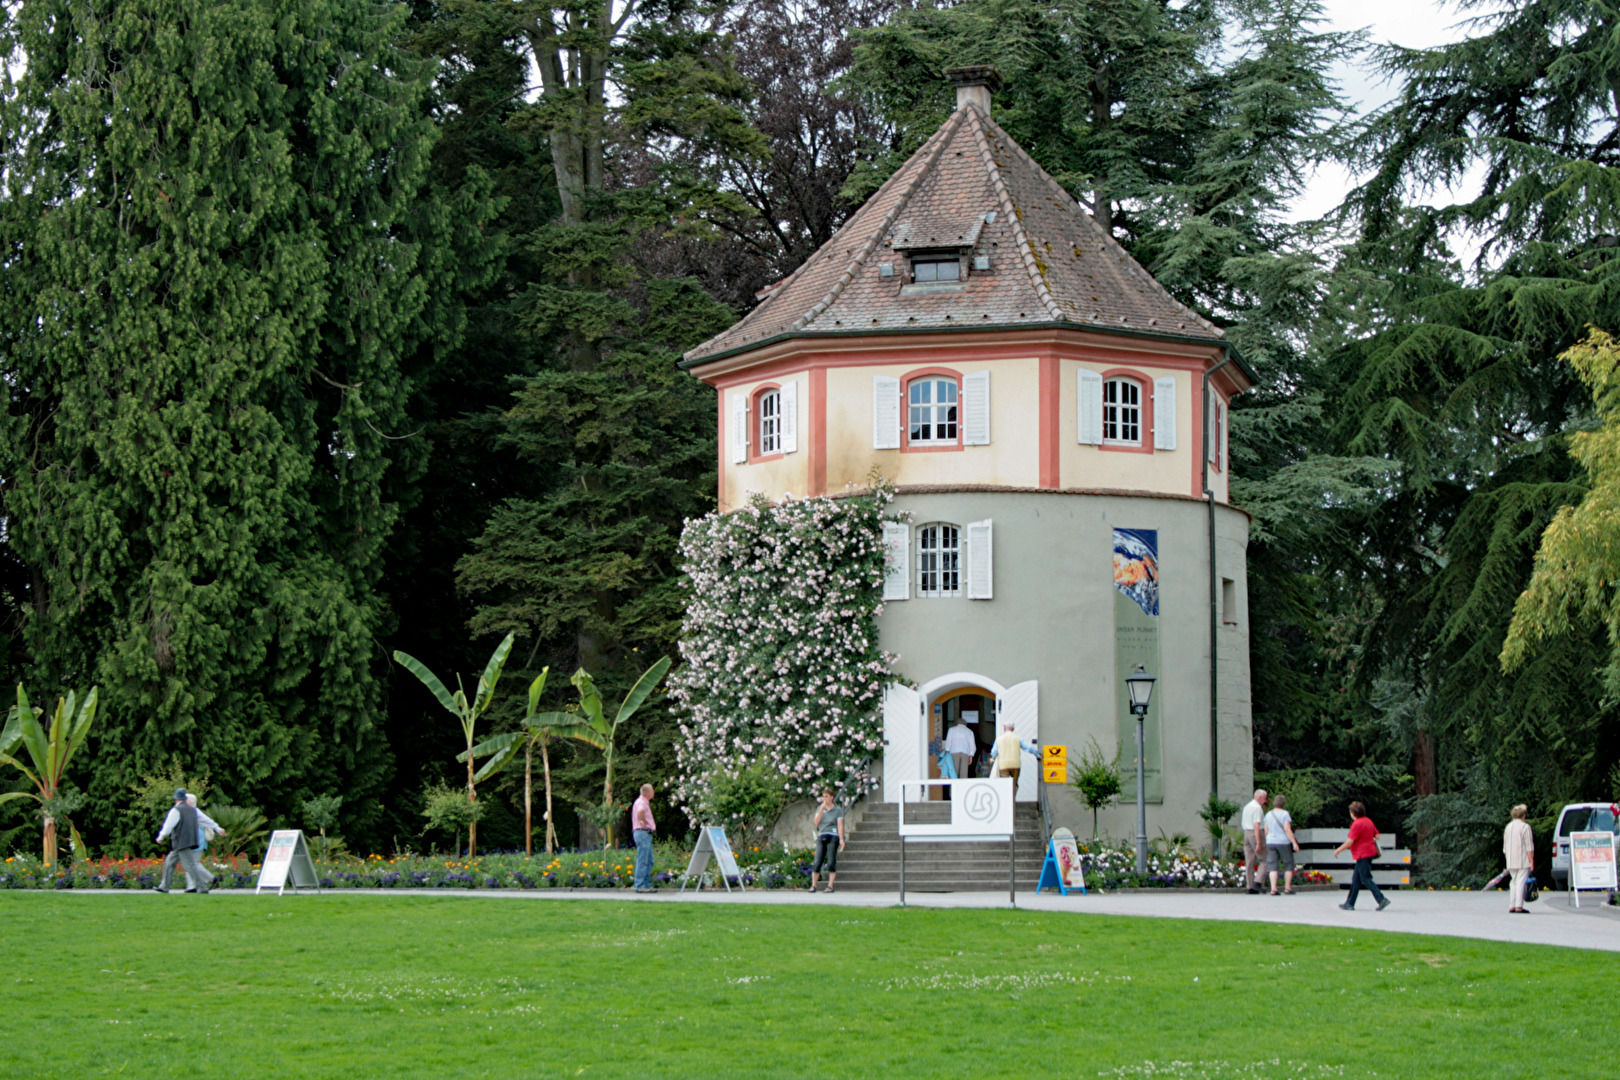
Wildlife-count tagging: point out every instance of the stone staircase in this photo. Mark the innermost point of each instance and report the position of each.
(870, 861)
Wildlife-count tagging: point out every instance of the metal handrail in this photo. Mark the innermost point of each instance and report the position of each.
(1045, 808)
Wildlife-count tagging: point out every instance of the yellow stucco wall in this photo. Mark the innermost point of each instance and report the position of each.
(774, 477)
(1171, 471)
(1012, 457)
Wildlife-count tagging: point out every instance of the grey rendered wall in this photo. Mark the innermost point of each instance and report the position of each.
(1051, 619)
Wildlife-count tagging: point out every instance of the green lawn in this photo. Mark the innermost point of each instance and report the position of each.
(357, 986)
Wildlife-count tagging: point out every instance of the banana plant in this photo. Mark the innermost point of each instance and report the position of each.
(467, 712)
(50, 751)
(592, 727)
(538, 730)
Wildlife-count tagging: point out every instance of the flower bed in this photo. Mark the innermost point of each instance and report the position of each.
(769, 868)
(1113, 866)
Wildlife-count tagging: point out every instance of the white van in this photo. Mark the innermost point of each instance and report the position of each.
(1579, 817)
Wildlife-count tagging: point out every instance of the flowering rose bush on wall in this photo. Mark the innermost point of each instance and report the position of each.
(782, 666)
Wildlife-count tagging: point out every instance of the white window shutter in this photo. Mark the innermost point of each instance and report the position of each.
(1220, 428)
(739, 428)
(976, 409)
(1164, 414)
(1088, 423)
(1212, 437)
(897, 571)
(885, 413)
(980, 560)
(789, 408)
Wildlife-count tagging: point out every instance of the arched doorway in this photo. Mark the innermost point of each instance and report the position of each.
(974, 709)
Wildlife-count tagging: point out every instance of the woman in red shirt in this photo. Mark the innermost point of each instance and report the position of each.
(1363, 845)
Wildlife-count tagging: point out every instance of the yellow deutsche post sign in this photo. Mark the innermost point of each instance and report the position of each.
(1055, 764)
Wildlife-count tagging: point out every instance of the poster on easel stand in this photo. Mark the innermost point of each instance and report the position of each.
(287, 857)
(712, 843)
(1591, 863)
(1062, 870)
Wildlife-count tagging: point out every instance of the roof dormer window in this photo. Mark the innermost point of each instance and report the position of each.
(926, 268)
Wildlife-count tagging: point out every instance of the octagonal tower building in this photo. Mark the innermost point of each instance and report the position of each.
(1055, 422)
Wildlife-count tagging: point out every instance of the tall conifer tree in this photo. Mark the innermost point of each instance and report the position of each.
(222, 277)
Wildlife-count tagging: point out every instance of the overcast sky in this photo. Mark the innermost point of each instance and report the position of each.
(1412, 23)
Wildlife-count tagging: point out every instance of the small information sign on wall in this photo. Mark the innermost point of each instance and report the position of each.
(286, 858)
(1055, 764)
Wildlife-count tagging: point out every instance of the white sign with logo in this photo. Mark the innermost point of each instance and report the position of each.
(980, 809)
(287, 858)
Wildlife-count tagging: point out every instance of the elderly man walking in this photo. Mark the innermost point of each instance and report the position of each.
(1519, 849)
(642, 827)
(183, 828)
(1254, 841)
(1006, 759)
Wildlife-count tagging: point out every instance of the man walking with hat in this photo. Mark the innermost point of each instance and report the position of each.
(183, 828)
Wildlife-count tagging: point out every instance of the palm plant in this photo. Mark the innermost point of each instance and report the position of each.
(1216, 812)
(592, 727)
(538, 729)
(467, 712)
(244, 828)
(50, 751)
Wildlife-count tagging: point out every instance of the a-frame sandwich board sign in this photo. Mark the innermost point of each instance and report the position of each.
(286, 858)
(712, 843)
(1061, 868)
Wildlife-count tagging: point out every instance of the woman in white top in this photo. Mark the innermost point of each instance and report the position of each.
(1519, 849)
(1280, 845)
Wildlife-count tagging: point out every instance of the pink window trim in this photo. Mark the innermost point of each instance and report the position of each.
(755, 440)
(1144, 394)
(905, 411)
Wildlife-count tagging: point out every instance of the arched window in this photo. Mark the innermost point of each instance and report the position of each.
(939, 560)
(931, 403)
(770, 422)
(1122, 412)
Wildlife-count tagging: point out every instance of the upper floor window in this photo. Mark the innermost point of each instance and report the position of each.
(1122, 412)
(770, 422)
(932, 403)
(936, 268)
(939, 552)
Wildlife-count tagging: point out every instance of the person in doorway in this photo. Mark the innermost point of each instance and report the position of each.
(1519, 848)
(1005, 759)
(960, 744)
(1254, 840)
(182, 827)
(829, 826)
(642, 827)
(1280, 845)
(1362, 844)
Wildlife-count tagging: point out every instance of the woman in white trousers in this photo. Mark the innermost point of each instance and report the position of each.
(1519, 848)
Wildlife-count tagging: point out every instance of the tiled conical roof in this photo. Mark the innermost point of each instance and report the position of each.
(971, 188)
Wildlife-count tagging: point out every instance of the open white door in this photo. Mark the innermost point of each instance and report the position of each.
(902, 741)
(1020, 708)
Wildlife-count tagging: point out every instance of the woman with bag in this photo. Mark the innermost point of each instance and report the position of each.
(1519, 849)
(1280, 845)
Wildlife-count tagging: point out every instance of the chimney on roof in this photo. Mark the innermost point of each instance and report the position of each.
(974, 85)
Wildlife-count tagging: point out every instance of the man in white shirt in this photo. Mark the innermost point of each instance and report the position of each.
(1254, 840)
(961, 745)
